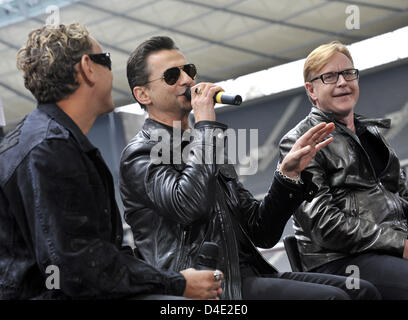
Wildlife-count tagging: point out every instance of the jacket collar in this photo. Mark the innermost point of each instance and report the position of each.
(152, 125)
(56, 113)
(329, 116)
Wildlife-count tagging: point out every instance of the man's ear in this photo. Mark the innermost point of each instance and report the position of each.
(142, 95)
(310, 90)
(86, 70)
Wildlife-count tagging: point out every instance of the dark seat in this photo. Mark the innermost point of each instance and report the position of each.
(293, 253)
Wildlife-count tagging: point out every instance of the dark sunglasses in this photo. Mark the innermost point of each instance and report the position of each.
(171, 75)
(100, 58)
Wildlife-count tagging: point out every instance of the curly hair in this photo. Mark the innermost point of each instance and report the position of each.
(48, 60)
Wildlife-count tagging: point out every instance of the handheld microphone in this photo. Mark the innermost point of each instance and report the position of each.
(220, 97)
(207, 257)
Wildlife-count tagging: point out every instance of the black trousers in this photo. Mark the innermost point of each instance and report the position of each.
(157, 297)
(387, 273)
(305, 286)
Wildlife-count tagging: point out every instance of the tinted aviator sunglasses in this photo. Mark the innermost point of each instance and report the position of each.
(100, 58)
(171, 75)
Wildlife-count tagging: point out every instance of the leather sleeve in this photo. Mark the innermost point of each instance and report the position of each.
(403, 190)
(264, 221)
(331, 228)
(182, 193)
(68, 228)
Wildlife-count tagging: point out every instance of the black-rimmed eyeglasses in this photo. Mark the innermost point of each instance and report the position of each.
(333, 77)
(171, 75)
(100, 58)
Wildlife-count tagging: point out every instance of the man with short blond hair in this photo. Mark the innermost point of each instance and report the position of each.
(358, 218)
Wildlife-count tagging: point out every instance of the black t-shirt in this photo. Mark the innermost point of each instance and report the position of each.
(374, 147)
(245, 250)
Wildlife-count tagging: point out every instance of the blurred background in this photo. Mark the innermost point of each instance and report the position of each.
(254, 48)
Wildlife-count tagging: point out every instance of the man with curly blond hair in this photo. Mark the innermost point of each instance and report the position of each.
(60, 228)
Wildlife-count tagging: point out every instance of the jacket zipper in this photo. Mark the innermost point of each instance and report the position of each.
(230, 250)
(354, 204)
(397, 203)
(377, 178)
(180, 261)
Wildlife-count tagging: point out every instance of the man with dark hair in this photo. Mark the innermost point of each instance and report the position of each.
(137, 71)
(175, 206)
(58, 215)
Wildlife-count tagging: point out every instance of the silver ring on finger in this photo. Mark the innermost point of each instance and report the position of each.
(217, 275)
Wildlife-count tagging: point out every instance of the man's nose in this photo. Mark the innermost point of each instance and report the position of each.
(185, 79)
(341, 81)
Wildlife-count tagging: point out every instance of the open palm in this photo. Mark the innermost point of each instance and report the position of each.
(305, 149)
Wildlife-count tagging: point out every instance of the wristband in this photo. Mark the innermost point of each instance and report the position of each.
(297, 180)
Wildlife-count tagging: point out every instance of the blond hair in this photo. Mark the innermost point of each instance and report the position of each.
(319, 57)
(48, 60)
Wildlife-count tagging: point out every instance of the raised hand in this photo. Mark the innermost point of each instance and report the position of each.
(305, 149)
(202, 101)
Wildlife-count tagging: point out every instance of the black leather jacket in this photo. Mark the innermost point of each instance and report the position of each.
(57, 208)
(173, 208)
(355, 210)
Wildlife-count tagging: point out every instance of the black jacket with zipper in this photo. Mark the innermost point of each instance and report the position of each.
(355, 210)
(174, 206)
